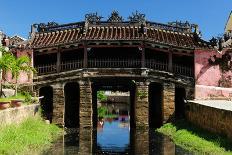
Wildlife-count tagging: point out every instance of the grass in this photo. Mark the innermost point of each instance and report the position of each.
(110, 116)
(32, 135)
(8, 99)
(196, 140)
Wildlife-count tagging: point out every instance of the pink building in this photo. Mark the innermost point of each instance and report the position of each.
(213, 68)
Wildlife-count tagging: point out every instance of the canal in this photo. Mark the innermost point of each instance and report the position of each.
(115, 138)
(113, 135)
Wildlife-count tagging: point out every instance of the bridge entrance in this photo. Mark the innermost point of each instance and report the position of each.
(121, 86)
(155, 105)
(46, 102)
(180, 97)
(72, 101)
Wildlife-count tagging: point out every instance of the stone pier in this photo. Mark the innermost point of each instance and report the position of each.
(142, 105)
(58, 104)
(168, 102)
(86, 110)
(86, 122)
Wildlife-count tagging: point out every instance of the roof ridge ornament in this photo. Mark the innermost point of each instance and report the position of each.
(93, 18)
(114, 18)
(137, 17)
(43, 26)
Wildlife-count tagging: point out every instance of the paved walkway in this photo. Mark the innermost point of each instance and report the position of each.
(220, 104)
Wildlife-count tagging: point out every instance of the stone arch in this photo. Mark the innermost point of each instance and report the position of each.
(180, 99)
(155, 105)
(46, 102)
(72, 102)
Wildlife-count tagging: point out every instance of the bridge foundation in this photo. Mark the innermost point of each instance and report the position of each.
(168, 102)
(86, 110)
(58, 104)
(142, 105)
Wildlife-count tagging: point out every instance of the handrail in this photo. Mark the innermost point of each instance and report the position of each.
(115, 63)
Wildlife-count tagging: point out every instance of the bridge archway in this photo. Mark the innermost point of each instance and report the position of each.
(155, 105)
(46, 102)
(72, 101)
(114, 85)
(180, 97)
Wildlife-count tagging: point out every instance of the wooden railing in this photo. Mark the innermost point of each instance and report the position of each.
(182, 70)
(157, 65)
(115, 63)
(71, 65)
(46, 69)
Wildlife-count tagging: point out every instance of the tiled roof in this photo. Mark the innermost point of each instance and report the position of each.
(123, 31)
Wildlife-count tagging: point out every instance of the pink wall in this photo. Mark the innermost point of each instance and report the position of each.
(23, 77)
(213, 74)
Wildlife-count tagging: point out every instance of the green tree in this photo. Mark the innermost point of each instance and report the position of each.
(101, 96)
(20, 64)
(6, 59)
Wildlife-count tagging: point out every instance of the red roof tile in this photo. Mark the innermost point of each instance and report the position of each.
(111, 32)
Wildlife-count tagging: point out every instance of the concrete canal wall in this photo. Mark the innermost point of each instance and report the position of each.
(16, 115)
(213, 116)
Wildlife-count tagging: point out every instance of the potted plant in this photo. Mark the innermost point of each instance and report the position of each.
(16, 102)
(4, 105)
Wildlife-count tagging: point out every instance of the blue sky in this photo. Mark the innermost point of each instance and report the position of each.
(16, 16)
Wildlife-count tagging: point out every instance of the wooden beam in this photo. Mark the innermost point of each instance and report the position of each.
(170, 66)
(143, 57)
(85, 62)
(58, 61)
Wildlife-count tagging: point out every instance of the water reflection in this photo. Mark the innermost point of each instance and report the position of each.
(114, 135)
(118, 141)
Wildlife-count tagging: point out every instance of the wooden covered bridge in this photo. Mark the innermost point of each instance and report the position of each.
(153, 61)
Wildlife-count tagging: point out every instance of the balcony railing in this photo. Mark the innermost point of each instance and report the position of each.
(46, 69)
(182, 70)
(71, 65)
(115, 63)
(157, 65)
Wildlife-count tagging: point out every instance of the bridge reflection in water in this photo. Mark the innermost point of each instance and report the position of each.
(114, 139)
(155, 143)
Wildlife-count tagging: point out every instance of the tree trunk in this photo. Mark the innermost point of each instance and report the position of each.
(16, 87)
(1, 83)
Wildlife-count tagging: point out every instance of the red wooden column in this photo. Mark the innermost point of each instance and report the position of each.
(170, 66)
(58, 61)
(85, 62)
(142, 49)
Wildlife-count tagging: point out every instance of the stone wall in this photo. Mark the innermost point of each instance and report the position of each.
(16, 115)
(141, 105)
(212, 119)
(168, 102)
(58, 104)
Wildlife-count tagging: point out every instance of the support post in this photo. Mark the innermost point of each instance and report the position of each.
(86, 133)
(143, 57)
(58, 104)
(85, 62)
(142, 105)
(170, 66)
(58, 61)
(168, 102)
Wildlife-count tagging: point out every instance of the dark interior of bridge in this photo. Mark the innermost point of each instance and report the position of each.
(180, 97)
(114, 53)
(72, 55)
(72, 101)
(156, 55)
(155, 105)
(45, 59)
(46, 102)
